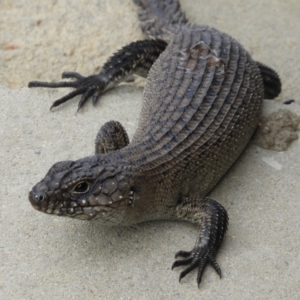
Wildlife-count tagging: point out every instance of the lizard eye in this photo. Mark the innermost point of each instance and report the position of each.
(81, 187)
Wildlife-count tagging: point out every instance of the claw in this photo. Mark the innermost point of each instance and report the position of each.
(201, 267)
(66, 98)
(188, 270)
(84, 97)
(215, 265)
(96, 97)
(182, 262)
(199, 276)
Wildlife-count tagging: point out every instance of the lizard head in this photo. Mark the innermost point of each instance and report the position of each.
(85, 189)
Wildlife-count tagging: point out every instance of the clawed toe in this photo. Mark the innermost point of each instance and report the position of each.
(84, 97)
(75, 75)
(182, 262)
(60, 84)
(184, 254)
(197, 258)
(66, 98)
(86, 86)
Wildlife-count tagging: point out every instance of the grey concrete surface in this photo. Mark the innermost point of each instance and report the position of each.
(46, 257)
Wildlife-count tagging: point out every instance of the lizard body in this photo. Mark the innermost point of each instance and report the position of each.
(201, 105)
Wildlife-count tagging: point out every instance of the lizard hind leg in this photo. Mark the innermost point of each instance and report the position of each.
(112, 136)
(135, 58)
(213, 221)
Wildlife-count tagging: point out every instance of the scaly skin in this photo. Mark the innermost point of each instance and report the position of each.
(201, 105)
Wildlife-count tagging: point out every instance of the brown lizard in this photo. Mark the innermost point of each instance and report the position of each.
(201, 105)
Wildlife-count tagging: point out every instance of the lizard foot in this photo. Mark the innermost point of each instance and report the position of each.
(213, 221)
(86, 86)
(199, 257)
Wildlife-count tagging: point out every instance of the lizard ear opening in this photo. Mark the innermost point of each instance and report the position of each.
(81, 187)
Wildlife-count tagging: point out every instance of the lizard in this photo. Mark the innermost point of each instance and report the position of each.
(201, 105)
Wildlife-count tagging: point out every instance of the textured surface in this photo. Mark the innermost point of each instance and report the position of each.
(273, 257)
(278, 130)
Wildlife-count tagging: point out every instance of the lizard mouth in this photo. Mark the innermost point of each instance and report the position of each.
(81, 209)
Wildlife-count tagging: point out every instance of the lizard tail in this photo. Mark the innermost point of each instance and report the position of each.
(271, 80)
(157, 16)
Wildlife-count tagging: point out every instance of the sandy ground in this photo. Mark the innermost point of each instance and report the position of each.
(44, 257)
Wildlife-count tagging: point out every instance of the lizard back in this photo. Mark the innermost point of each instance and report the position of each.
(201, 105)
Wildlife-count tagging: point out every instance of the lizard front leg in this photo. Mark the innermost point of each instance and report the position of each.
(112, 136)
(213, 220)
(135, 58)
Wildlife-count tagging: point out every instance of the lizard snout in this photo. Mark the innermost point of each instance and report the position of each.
(37, 199)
